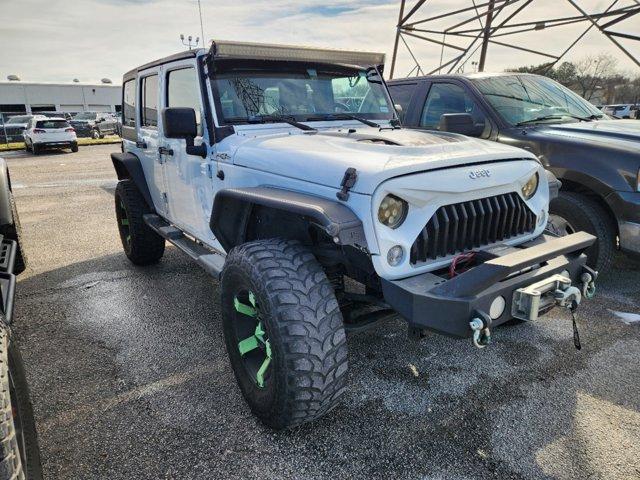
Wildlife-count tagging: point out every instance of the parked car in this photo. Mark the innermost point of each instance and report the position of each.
(596, 159)
(14, 127)
(42, 133)
(20, 458)
(66, 115)
(281, 192)
(94, 124)
(622, 111)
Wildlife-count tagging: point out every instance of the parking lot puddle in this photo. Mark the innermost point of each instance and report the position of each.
(627, 317)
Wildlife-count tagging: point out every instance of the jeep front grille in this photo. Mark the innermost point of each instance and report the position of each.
(467, 225)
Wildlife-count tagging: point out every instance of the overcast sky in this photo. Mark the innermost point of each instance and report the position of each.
(58, 40)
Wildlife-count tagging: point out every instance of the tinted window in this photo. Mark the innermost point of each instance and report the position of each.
(183, 91)
(447, 98)
(52, 124)
(149, 111)
(401, 95)
(129, 102)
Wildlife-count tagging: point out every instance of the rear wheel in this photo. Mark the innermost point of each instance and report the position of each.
(74, 147)
(20, 451)
(572, 212)
(283, 331)
(142, 245)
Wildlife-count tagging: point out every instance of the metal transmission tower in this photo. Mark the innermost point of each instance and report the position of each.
(480, 23)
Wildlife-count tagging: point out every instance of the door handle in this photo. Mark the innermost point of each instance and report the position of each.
(141, 144)
(165, 151)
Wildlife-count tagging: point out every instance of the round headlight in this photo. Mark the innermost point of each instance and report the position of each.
(392, 211)
(529, 188)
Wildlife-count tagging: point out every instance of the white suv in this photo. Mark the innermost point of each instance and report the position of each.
(282, 171)
(43, 132)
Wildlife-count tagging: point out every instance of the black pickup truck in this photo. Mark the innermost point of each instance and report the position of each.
(596, 158)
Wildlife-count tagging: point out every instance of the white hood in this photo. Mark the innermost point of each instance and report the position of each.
(324, 156)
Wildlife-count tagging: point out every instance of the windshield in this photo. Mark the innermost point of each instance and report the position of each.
(251, 94)
(21, 119)
(525, 98)
(85, 116)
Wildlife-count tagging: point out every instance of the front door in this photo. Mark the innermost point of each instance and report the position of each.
(188, 177)
(449, 97)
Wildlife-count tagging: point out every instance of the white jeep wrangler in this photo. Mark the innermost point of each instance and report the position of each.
(283, 170)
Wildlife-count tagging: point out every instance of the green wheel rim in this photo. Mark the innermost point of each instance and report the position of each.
(255, 349)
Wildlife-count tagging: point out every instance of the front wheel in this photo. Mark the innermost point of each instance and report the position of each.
(283, 331)
(572, 212)
(20, 452)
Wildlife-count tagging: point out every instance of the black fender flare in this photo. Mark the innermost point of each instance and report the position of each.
(128, 166)
(232, 206)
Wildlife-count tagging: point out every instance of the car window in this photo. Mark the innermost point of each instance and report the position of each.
(183, 90)
(401, 95)
(22, 119)
(129, 104)
(299, 92)
(52, 124)
(447, 98)
(149, 107)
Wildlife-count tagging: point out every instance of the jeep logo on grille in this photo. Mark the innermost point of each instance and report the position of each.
(479, 173)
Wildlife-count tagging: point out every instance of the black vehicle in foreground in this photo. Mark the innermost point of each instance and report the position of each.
(20, 453)
(596, 158)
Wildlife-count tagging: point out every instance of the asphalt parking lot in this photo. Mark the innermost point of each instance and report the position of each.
(130, 378)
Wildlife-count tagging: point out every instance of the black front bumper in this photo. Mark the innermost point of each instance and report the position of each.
(429, 301)
(8, 252)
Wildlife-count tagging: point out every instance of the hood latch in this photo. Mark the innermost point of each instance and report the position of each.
(348, 181)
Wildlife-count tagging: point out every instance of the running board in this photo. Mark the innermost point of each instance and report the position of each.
(210, 261)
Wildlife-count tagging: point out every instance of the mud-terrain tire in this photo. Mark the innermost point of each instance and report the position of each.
(19, 451)
(584, 214)
(297, 310)
(13, 231)
(142, 245)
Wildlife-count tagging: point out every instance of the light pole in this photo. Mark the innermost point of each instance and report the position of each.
(188, 43)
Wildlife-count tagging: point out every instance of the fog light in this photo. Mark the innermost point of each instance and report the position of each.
(395, 256)
(497, 307)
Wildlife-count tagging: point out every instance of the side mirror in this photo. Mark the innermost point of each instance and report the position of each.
(181, 123)
(461, 123)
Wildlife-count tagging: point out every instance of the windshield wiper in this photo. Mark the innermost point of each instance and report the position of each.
(279, 118)
(350, 116)
(555, 117)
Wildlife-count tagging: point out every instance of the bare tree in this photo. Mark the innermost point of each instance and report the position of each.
(593, 72)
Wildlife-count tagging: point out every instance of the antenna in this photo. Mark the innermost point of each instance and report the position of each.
(201, 24)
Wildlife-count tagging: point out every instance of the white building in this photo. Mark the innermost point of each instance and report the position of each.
(28, 97)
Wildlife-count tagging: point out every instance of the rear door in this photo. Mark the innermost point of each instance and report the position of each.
(146, 145)
(188, 177)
